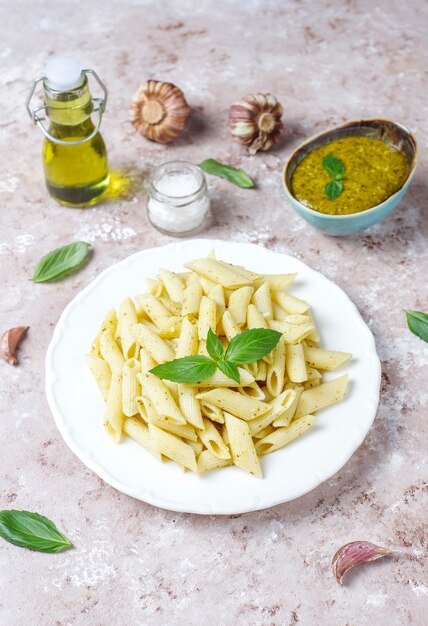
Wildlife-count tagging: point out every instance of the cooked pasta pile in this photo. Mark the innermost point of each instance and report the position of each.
(216, 422)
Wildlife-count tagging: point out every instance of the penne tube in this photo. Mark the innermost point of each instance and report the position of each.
(151, 416)
(139, 432)
(285, 405)
(251, 276)
(254, 318)
(261, 371)
(314, 334)
(238, 304)
(260, 423)
(253, 391)
(324, 395)
(241, 445)
(290, 303)
(327, 360)
(109, 323)
(101, 372)
(173, 447)
(111, 352)
(232, 401)
(174, 308)
(187, 344)
(146, 361)
(153, 308)
(197, 447)
(156, 390)
(229, 325)
(190, 407)
(292, 333)
(275, 377)
(295, 363)
(263, 433)
(155, 287)
(217, 295)
(126, 318)
(173, 285)
(113, 418)
(212, 412)
(277, 281)
(280, 437)
(218, 273)
(130, 387)
(155, 346)
(207, 462)
(213, 441)
(192, 299)
(263, 302)
(207, 317)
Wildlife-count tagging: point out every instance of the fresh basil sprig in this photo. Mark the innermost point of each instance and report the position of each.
(335, 168)
(232, 174)
(61, 261)
(418, 323)
(32, 531)
(247, 347)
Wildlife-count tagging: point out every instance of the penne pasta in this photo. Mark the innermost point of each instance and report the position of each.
(327, 360)
(173, 447)
(207, 317)
(263, 302)
(111, 352)
(156, 390)
(218, 273)
(213, 441)
(242, 406)
(130, 387)
(113, 418)
(295, 363)
(158, 349)
(290, 303)
(322, 396)
(244, 454)
(280, 437)
(109, 323)
(173, 285)
(215, 422)
(101, 372)
(238, 304)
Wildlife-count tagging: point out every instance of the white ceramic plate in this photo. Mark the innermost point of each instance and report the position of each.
(288, 473)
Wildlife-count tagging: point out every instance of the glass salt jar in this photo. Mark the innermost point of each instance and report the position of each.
(179, 203)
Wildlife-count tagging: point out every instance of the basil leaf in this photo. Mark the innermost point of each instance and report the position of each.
(188, 369)
(333, 166)
(333, 189)
(232, 174)
(214, 346)
(229, 369)
(32, 531)
(418, 323)
(61, 261)
(251, 345)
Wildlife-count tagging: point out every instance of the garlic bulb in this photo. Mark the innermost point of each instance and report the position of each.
(159, 111)
(256, 121)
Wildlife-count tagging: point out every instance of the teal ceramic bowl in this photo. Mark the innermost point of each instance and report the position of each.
(338, 225)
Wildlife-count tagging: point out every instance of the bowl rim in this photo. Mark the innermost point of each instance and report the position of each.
(376, 207)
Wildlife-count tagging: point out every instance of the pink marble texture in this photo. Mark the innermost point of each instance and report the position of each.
(132, 565)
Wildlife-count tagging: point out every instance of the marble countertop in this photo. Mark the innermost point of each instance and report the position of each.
(133, 564)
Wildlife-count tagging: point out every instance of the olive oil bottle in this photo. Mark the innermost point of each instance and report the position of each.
(74, 154)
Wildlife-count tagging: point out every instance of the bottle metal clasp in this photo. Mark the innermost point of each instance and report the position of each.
(39, 115)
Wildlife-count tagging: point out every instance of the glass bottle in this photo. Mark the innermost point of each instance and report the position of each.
(74, 154)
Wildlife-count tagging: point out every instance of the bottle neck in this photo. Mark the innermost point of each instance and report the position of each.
(69, 108)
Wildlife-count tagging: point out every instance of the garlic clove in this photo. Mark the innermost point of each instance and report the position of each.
(355, 553)
(10, 341)
(159, 111)
(255, 121)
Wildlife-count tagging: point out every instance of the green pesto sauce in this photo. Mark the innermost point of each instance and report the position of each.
(374, 170)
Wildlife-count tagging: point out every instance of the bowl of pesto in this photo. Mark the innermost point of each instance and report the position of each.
(347, 179)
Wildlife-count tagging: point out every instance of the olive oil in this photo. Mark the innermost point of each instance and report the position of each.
(74, 154)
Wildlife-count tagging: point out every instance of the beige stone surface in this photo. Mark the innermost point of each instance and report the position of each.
(327, 62)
